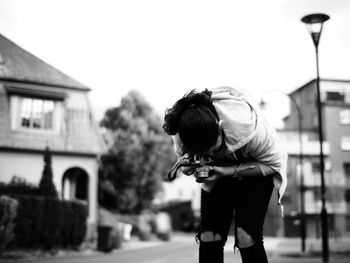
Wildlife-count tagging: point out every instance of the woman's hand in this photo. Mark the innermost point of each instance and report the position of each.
(221, 171)
(216, 172)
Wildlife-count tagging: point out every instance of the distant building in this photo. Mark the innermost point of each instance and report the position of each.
(40, 106)
(335, 97)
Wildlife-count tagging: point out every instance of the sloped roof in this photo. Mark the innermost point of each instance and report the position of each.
(17, 64)
(313, 81)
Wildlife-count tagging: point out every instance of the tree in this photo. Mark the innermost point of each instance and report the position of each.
(46, 185)
(139, 155)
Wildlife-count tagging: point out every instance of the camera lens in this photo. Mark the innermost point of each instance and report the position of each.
(202, 172)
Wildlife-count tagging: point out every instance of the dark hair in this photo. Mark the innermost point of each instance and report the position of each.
(195, 119)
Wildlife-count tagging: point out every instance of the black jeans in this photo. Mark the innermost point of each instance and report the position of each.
(247, 199)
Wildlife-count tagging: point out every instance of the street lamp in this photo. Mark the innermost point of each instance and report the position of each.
(314, 23)
(302, 204)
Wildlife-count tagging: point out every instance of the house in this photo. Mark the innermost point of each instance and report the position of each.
(41, 106)
(335, 101)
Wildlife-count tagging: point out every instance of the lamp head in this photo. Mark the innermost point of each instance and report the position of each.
(314, 23)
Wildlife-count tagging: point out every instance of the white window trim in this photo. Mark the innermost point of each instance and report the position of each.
(15, 110)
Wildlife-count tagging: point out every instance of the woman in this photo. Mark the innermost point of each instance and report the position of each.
(223, 125)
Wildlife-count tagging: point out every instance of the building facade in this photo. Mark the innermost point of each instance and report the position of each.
(335, 101)
(42, 107)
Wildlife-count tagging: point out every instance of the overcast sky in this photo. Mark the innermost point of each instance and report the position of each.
(164, 48)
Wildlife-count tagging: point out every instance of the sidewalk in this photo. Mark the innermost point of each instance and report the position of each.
(293, 245)
(289, 250)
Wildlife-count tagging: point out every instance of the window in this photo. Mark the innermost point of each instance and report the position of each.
(347, 97)
(347, 195)
(327, 165)
(334, 96)
(36, 113)
(337, 196)
(317, 194)
(346, 167)
(316, 167)
(344, 117)
(345, 143)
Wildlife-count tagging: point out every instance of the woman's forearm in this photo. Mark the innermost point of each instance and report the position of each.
(243, 169)
(247, 169)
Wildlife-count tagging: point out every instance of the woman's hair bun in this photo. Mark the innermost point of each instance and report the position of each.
(195, 98)
(192, 99)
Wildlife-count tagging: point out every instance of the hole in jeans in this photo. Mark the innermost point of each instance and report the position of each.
(209, 236)
(244, 239)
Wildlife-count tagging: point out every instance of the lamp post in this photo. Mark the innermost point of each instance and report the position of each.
(314, 24)
(302, 202)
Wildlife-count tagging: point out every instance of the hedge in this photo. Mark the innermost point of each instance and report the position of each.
(8, 211)
(47, 223)
(18, 186)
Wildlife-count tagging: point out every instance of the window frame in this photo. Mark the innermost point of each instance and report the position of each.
(15, 114)
(34, 110)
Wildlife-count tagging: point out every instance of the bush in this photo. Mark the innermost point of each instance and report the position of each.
(74, 215)
(8, 211)
(47, 223)
(46, 186)
(18, 186)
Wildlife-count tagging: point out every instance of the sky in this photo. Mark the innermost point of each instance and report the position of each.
(165, 48)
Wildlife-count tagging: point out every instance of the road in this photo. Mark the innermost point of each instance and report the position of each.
(179, 251)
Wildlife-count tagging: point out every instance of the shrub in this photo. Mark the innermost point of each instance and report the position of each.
(46, 185)
(18, 186)
(76, 223)
(47, 223)
(8, 211)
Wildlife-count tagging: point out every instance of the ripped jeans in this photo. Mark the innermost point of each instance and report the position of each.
(247, 199)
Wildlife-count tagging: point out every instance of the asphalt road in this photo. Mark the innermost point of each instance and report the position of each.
(163, 252)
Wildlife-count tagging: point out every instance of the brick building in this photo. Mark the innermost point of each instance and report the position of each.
(335, 97)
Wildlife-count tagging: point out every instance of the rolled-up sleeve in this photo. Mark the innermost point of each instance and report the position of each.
(266, 149)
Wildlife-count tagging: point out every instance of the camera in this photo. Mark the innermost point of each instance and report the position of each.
(201, 165)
